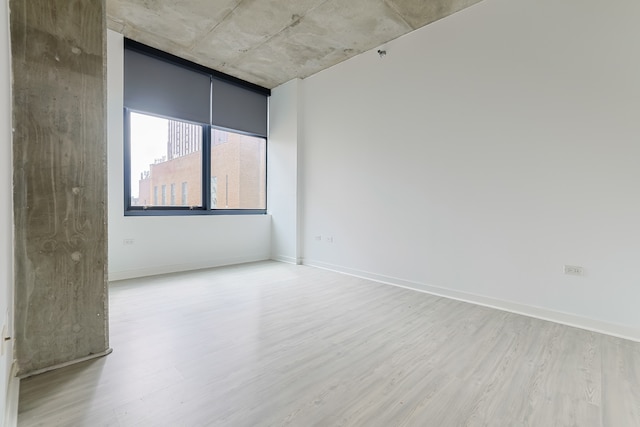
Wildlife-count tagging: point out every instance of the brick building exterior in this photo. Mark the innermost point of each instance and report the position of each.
(238, 170)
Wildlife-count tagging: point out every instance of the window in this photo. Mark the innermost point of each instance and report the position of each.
(239, 162)
(159, 157)
(188, 125)
(185, 194)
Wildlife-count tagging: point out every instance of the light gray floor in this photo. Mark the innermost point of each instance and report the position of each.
(276, 344)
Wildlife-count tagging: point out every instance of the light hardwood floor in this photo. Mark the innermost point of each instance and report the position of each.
(272, 344)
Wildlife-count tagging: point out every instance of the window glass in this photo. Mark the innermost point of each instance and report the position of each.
(238, 171)
(163, 153)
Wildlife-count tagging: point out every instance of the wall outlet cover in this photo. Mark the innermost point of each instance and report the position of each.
(573, 270)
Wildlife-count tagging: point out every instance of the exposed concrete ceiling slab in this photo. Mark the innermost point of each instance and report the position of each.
(316, 42)
(247, 28)
(420, 13)
(179, 23)
(269, 42)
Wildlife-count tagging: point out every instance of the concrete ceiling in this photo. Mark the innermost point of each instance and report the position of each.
(269, 42)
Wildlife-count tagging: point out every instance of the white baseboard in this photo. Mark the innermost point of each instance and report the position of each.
(287, 259)
(613, 329)
(175, 268)
(13, 393)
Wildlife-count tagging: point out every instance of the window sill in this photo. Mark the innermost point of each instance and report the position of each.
(192, 212)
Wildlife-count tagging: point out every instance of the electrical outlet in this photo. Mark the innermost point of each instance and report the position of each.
(128, 242)
(573, 270)
(318, 238)
(329, 239)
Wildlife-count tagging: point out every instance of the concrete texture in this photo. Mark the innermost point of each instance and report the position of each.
(270, 42)
(59, 147)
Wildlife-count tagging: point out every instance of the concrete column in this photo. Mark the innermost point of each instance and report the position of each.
(59, 154)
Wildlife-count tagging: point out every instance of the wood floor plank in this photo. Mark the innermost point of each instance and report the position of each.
(272, 344)
(620, 382)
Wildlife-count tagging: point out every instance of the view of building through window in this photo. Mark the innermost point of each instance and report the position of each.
(166, 157)
(238, 171)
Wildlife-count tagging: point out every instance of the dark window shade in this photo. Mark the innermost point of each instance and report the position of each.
(238, 108)
(158, 87)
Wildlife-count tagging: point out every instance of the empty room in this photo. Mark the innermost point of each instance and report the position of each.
(320, 212)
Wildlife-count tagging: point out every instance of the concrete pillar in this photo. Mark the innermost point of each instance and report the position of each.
(59, 154)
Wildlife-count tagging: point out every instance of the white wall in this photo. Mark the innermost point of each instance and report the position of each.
(483, 153)
(168, 244)
(7, 401)
(284, 128)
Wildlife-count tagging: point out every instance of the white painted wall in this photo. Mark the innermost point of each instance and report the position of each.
(483, 153)
(8, 400)
(168, 244)
(284, 129)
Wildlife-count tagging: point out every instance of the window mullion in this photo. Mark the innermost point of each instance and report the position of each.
(206, 167)
(127, 159)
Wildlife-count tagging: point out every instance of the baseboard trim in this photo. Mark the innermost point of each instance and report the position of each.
(176, 268)
(13, 394)
(613, 329)
(286, 259)
(64, 364)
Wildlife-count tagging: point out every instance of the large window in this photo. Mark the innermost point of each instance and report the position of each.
(195, 140)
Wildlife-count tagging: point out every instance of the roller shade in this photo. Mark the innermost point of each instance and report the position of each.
(156, 86)
(238, 108)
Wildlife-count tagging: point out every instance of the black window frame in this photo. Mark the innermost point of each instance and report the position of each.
(205, 209)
